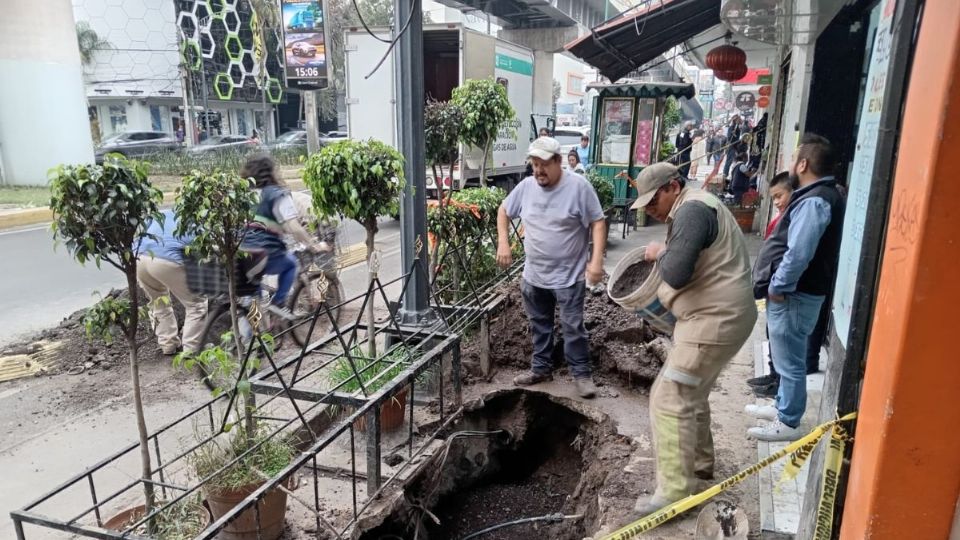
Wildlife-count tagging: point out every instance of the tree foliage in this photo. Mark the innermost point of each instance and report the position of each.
(214, 208)
(102, 213)
(90, 42)
(486, 110)
(359, 180)
(441, 136)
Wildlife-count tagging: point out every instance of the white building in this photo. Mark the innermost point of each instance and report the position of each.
(135, 83)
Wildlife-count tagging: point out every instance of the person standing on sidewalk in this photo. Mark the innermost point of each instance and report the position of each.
(161, 273)
(706, 285)
(560, 213)
(684, 144)
(780, 191)
(795, 271)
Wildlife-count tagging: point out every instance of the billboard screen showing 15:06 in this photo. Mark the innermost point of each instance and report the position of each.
(305, 51)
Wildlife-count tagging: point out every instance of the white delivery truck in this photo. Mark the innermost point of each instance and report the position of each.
(451, 55)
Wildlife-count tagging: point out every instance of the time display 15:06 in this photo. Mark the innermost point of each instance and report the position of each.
(306, 71)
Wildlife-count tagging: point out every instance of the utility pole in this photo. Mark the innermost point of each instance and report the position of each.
(408, 73)
(185, 84)
(310, 111)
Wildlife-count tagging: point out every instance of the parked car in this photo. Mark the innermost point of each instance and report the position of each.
(224, 143)
(569, 138)
(137, 144)
(302, 48)
(332, 137)
(291, 140)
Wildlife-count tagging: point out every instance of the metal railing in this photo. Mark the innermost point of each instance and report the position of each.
(293, 405)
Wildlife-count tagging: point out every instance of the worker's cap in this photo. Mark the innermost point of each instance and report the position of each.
(653, 178)
(544, 148)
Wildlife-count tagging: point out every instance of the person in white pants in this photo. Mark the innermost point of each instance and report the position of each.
(161, 273)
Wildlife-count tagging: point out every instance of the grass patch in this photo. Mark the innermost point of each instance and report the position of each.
(25, 196)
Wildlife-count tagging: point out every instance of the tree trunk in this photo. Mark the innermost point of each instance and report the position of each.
(249, 401)
(434, 251)
(371, 328)
(483, 164)
(131, 334)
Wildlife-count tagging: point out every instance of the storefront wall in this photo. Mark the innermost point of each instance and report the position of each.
(905, 472)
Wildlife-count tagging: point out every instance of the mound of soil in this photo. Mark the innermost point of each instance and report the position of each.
(631, 279)
(621, 343)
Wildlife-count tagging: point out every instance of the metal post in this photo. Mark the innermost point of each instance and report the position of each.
(373, 449)
(206, 106)
(310, 111)
(185, 83)
(408, 73)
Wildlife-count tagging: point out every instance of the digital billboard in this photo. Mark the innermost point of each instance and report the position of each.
(305, 51)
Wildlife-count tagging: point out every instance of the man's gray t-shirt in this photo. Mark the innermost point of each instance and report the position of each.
(556, 224)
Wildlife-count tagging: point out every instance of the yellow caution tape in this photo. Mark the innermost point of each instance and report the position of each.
(799, 450)
(828, 487)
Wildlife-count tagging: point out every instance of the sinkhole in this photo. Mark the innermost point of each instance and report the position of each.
(518, 464)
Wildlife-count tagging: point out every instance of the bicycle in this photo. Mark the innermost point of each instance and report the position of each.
(318, 282)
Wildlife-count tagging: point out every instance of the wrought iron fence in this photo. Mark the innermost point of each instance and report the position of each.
(297, 401)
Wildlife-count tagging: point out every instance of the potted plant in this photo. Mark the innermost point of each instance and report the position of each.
(373, 375)
(264, 456)
(215, 208)
(101, 213)
(486, 110)
(745, 210)
(360, 180)
(182, 521)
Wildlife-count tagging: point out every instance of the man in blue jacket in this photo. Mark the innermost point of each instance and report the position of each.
(161, 273)
(795, 271)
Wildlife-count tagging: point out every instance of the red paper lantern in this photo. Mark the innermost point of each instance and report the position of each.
(726, 58)
(734, 74)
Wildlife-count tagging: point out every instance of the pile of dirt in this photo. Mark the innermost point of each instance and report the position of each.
(99, 370)
(631, 279)
(621, 343)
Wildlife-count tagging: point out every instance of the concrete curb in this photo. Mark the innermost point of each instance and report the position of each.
(22, 218)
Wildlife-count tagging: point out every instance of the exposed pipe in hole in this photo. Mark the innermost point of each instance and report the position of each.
(551, 518)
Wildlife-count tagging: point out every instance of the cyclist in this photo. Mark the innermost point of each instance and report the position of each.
(275, 215)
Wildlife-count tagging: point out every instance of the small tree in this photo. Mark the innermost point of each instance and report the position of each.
(441, 139)
(360, 180)
(214, 209)
(486, 110)
(102, 214)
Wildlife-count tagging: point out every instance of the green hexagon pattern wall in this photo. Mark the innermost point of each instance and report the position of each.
(217, 44)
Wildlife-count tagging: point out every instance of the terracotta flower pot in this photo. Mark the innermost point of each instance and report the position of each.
(272, 509)
(392, 414)
(125, 518)
(744, 217)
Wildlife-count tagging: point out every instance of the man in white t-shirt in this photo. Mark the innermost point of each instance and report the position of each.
(560, 213)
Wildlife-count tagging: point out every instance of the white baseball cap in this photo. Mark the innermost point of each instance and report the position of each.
(544, 148)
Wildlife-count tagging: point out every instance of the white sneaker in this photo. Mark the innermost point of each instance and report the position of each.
(763, 412)
(775, 431)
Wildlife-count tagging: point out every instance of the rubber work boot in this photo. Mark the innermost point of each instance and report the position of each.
(585, 387)
(531, 377)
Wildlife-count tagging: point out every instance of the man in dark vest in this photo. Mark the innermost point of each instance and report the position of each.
(795, 271)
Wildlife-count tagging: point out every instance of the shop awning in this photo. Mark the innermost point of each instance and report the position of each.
(637, 36)
(644, 89)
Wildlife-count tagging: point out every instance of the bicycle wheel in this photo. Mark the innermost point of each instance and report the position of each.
(306, 298)
(219, 324)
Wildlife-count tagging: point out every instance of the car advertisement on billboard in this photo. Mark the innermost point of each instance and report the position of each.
(305, 50)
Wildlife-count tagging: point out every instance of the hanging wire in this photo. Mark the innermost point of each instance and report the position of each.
(393, 43)
(364, 23)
